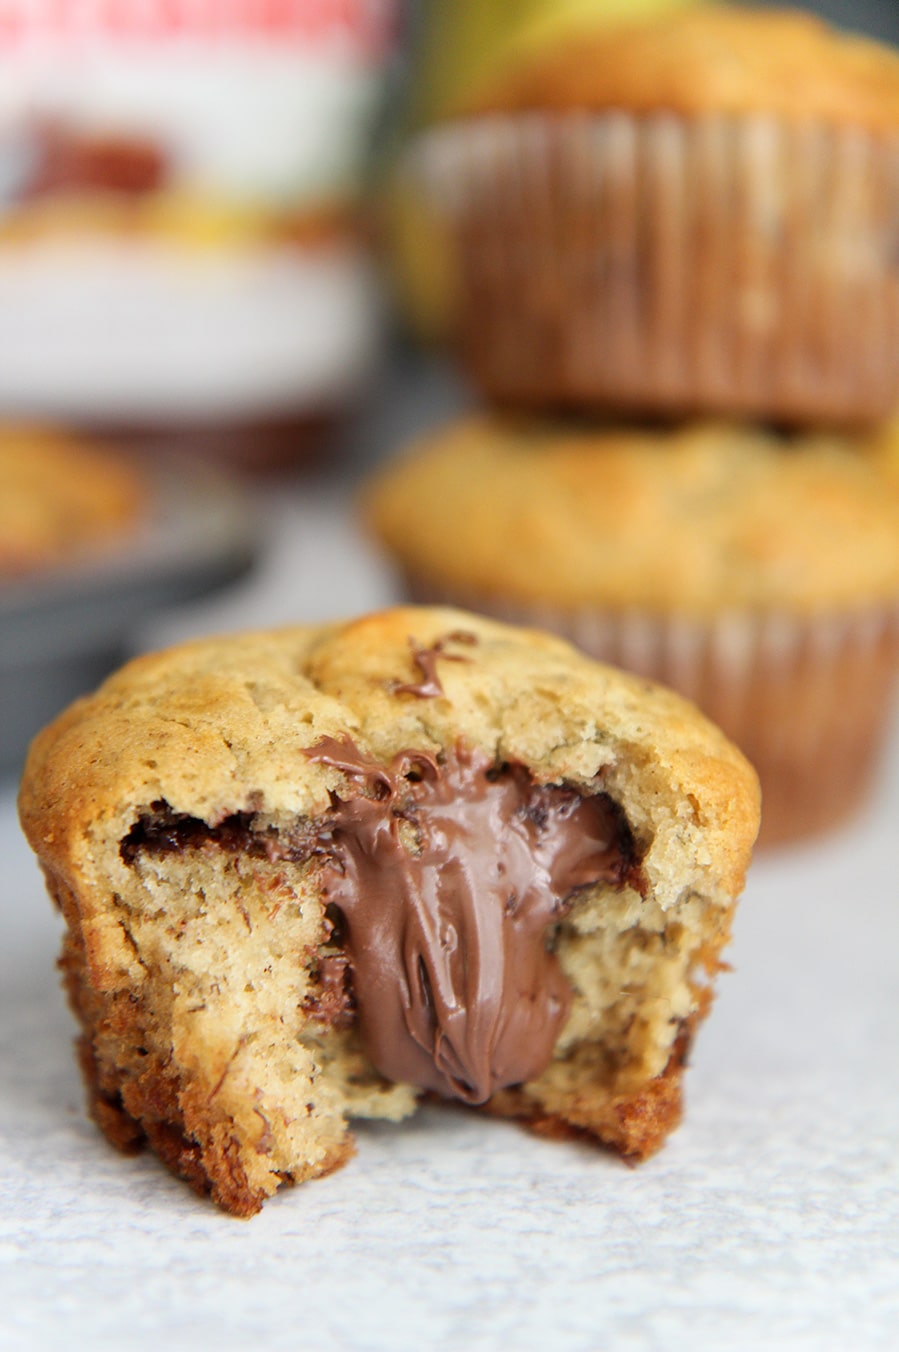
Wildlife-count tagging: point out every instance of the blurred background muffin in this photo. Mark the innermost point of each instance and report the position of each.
(62, 499)
(94, 542)
(690, 209)
(458, 47)
(755, 574)
(182, 246)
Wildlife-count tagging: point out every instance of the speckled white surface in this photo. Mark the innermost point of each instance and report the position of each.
(771, 1219)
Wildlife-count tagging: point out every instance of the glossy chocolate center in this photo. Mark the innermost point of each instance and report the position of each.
(449, 879)
(443, 879)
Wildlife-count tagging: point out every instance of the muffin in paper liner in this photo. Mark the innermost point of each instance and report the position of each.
(807, 701)
(756, 574)
(663, 263)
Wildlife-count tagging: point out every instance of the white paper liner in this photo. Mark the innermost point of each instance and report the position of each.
(742, 265)
(806, 698)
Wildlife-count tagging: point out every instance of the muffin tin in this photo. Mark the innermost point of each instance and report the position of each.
(61, 631)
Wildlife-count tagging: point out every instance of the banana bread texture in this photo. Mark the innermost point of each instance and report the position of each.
(310, 875)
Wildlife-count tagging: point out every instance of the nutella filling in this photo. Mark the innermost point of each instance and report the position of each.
(443, 880)
(448, 879)
(425, 659)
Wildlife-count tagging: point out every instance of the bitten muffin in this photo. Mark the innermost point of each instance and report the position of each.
(61, 499)
(695, 213)
(309, 875)
(756, 574)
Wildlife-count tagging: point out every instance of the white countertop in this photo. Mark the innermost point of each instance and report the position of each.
(770, 1219)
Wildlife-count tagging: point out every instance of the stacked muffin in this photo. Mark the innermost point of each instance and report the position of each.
(690, 217)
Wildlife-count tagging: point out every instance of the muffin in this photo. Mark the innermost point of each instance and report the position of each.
(62, 499)
(756, 574)
(460, 47)
(311, 875)
(694, 213)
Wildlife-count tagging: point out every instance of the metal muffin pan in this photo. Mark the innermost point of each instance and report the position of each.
(63, 630)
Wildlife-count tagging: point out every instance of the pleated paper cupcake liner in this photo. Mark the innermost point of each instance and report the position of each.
(663, 264)
(807, 699)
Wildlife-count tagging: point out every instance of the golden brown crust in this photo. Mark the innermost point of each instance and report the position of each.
(193, 973)
(62, 499)
(697, 520)
(634, 1124)
(710, 59)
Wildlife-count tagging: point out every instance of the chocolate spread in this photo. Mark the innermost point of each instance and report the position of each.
(449, 878)
(425, 659)
(443, 878)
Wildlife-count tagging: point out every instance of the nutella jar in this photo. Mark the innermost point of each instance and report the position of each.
(181, 249)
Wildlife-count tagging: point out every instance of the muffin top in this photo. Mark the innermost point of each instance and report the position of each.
(60, 499)
(694, 520)
(465, 44)
(708, 59)
(225, 726)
